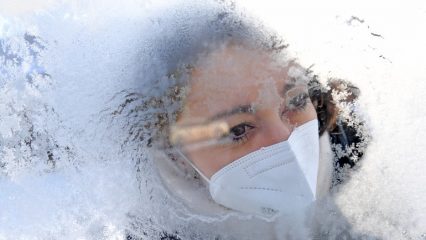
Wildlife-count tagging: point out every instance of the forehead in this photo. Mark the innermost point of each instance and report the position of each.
(231, 76)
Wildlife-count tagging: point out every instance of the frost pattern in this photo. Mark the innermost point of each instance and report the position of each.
(28, 124)
(80, 170)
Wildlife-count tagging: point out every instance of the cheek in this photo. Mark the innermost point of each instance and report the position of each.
(300, 117)
(210, 160)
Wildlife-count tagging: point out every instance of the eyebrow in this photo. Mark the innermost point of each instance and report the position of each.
(249, 108)
(289, 85)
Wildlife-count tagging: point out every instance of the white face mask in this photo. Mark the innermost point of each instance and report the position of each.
(278, 179)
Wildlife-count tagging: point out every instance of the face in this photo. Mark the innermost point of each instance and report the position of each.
(239, 100)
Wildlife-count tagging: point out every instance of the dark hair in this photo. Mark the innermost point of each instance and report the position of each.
(349, 135)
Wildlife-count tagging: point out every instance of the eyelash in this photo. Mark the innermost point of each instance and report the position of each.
(297, 103)
(243, 137)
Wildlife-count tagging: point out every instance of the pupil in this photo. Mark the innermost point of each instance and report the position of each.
(238, 130)
(298, 101)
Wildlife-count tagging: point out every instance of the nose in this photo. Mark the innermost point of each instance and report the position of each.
(274, 130)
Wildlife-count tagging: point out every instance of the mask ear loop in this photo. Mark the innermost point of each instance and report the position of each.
(193, 166)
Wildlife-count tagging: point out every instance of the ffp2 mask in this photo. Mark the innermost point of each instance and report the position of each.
(277, 179)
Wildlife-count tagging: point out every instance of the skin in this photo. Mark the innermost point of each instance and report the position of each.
(234, 76)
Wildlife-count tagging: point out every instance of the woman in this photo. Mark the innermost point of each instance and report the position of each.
(238, 116)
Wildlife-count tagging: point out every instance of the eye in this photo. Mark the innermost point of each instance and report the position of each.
(298, 102)
(239, 132)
